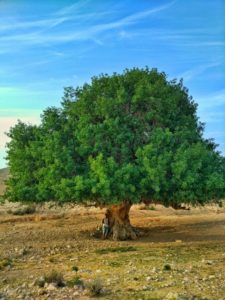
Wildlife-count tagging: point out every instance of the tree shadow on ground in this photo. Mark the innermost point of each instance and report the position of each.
(202, 231)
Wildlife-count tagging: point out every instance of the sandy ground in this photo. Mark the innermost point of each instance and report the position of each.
(191, 242)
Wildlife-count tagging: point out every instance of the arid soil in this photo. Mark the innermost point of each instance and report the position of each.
(179, 254)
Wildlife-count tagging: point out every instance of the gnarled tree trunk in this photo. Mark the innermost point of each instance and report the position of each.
(119, 221)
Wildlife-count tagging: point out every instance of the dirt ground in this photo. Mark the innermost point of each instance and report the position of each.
(179, 254)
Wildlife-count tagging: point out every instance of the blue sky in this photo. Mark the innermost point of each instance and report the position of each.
(47, 45)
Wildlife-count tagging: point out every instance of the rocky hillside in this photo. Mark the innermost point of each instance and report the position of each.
(4, 173)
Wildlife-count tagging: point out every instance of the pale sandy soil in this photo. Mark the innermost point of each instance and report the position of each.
(191, 242)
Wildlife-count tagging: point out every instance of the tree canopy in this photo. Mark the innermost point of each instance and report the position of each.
(134, 136)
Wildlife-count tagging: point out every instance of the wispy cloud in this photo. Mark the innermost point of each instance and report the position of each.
(18, 24)
(192, 73)
(211, 101)
(212, 117)
(144, 14)
(71, 9)
(37, 31)
(131, 19)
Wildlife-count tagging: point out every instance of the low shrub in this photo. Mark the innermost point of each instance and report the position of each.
(95, 287)
(25, 210)
(5, 263)
(75, 281)
(167, 267)
(56, 278)
(75, 269)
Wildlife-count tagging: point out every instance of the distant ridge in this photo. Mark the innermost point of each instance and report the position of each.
(4, 173)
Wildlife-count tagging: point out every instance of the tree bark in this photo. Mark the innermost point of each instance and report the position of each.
(119, 221)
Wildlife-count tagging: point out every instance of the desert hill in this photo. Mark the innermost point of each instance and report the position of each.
(4, 173)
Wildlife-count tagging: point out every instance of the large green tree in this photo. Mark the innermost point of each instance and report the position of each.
(123, 138)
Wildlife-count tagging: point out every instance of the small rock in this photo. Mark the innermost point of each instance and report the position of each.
(51, 287)
(2, 297)
(40, 282)
(8, 268)
(148, 278)
(75, 258)
(172, 296)
(32, 284)
(42, 292)
(22, 251)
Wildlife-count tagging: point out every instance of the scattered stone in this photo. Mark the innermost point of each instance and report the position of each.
(85, 271)
(185, 279)
(42, 292)
(40, 282)
(23, 252)
(4, 280)
(51, 287)
(2, 297)
(172, 296)
(73, 259)
(8, 268)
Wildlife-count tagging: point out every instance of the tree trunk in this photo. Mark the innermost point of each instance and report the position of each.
(119, 222)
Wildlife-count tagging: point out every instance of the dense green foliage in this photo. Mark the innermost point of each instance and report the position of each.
(132, 136)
